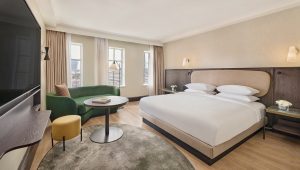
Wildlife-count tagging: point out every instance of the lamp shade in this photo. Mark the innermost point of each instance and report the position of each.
(114, 66)
(185, 62)
(292, 54)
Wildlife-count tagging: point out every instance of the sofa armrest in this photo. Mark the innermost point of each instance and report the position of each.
(60, 106)
(116, 91)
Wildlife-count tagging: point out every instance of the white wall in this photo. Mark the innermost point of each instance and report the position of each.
(261, 42)
(134, 64)
(134, 68)
(88, 59)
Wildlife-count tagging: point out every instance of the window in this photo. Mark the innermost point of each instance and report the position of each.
(75, 65)
(116, 78)
(146, 67)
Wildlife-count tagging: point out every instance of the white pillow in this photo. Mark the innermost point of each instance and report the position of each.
(238, 89)
(239, 97)
(201, 86)
(200, 91)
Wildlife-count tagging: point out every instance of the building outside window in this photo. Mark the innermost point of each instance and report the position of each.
(76, 64)
(146, 67)
(116, 78)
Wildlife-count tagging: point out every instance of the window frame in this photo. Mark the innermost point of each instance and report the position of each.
(81, 63)
(122, 64)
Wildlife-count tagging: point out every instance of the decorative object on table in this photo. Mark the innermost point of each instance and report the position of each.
(101, 100)
(152, 153)
(173, 87)
(66, 128)
(292, 54)
(115, 67)
(168, 91)
(283, 105)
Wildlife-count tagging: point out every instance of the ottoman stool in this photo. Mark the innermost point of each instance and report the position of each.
(65, 128)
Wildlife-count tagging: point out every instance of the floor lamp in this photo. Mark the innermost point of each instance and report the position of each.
(115, 67)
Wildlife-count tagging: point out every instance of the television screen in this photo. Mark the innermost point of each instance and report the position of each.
(20, 50)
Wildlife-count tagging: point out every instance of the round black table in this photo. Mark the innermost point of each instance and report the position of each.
(107, 133)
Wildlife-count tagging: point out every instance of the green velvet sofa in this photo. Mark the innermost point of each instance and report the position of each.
(61, 106)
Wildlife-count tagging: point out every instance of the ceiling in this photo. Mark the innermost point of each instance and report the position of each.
(154, 20)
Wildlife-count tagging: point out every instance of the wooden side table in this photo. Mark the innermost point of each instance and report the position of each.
(168, 91)
(288, 121)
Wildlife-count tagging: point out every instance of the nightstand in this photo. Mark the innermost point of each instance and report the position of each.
(288, 122)
(168, 91)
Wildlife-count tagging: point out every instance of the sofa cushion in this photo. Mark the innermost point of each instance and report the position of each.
(62, 90)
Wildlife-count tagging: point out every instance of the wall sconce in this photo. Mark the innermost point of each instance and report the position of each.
(292, 54)
(46, 53)
(185, 62)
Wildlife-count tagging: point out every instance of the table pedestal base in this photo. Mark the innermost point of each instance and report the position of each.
(99, 135)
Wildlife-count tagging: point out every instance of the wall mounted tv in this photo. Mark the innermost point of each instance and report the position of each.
(20, 51)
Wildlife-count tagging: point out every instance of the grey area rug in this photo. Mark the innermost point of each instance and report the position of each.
(137, 149)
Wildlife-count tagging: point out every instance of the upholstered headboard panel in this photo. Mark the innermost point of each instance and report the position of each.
(259, 80)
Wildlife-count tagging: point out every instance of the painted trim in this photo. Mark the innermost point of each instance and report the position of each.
(111, 36)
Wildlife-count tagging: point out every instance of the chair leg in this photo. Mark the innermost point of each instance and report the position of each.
(64, 147)
(81, 134)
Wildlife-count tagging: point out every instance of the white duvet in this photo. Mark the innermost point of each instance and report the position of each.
(212, 119)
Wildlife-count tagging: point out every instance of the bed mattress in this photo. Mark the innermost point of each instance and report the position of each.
(209, 118)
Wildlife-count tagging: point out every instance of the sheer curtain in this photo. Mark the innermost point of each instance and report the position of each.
(56, 67)
(101, 61)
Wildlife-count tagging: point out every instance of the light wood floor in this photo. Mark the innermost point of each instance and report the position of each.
(276, 152)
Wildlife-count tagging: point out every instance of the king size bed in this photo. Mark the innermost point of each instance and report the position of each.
(208, 126)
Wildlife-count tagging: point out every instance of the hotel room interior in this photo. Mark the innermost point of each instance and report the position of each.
(169, 84)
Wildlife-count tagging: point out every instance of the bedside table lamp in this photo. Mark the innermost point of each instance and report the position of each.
(292, 54)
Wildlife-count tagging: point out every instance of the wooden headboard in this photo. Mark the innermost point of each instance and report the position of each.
(259, 80)
(284, 82)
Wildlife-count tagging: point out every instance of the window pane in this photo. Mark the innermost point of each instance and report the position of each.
(75, 51)
(146, 67)
(118, 55)
(75, 65)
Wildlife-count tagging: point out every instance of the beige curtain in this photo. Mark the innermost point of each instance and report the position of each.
(158, 69)
(56, 67)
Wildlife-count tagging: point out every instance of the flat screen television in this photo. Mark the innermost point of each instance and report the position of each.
(20, 51)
